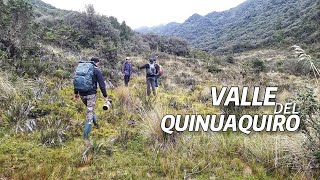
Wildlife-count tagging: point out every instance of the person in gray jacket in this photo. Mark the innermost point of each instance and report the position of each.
(152, 70)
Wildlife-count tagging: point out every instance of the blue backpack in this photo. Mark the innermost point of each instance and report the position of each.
(83, 80)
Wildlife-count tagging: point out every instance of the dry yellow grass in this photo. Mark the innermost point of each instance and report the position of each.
(6, 88)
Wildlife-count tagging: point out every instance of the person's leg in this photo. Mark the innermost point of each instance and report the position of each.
(87, 130)
(128, 79)
(125, 80)
(87, 127)
(84, 100)
(148, 86)
(157, 77)
(91, 102)
(153, 85)
(95, 122)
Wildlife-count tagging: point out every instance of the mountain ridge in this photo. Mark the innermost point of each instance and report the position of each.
(252, 24)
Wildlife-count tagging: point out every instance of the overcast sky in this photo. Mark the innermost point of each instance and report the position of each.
(139, 13)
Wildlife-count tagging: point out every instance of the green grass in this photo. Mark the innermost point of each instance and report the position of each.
(22, 157)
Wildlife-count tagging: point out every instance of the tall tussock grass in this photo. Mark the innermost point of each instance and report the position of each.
(308, 60)
(151, 125)
(124, 97)
(7, 90)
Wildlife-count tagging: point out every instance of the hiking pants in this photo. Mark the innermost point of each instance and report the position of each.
(90, 102)
(126, 79)
(157, 83)
(151, 83)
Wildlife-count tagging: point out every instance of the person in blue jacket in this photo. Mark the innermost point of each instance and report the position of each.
(127, 71)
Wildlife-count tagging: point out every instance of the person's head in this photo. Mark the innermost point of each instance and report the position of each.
(127, 59)
(95, 60)
(152, 60)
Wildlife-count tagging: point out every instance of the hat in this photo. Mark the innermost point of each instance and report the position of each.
(95, 60)
(127, 58)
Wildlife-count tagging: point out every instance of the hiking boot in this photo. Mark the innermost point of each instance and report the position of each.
(97, 126)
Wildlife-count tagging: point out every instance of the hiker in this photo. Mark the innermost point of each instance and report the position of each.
(127, 71)
(87, 76)
(152, 70)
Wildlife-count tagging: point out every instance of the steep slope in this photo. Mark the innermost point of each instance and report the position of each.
(44, 10)
(252, 24)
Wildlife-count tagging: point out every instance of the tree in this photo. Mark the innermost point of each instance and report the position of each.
(16, 20)
(90, 20)
(125, 31)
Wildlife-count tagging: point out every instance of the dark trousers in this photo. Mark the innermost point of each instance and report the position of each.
(126, 79)
(151, 84)
(157, 84)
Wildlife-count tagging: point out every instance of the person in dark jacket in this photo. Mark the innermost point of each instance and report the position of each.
(89, 99)
(152, 70)
(127, 71)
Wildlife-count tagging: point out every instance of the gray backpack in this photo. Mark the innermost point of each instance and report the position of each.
(83, 79)
(152, 69)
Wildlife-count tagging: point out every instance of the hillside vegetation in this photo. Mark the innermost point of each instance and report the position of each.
(41, 123)
(253, 24)
(42, 126)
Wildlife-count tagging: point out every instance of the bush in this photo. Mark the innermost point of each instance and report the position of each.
(230, 59)
(54, 134)
(17, 116)
(309, 108)
(298, 68)
(255, 66)
(258, 65)
(213, 65)
(214, 69)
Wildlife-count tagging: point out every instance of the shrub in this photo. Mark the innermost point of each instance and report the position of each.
(309, 108)
(230, 59)
(298, 68)
(17, 116)
(214, 69)
(55, 134)
(258, 65)
(255, 66)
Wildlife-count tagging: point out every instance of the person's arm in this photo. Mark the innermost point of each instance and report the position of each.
(143, 67)
(76, 94)
(157, 69)
(102, 84)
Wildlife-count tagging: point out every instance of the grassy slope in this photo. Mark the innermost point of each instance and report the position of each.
(135, 152)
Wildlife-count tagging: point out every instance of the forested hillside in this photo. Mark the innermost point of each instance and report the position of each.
(253, 24)
(28, 25)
